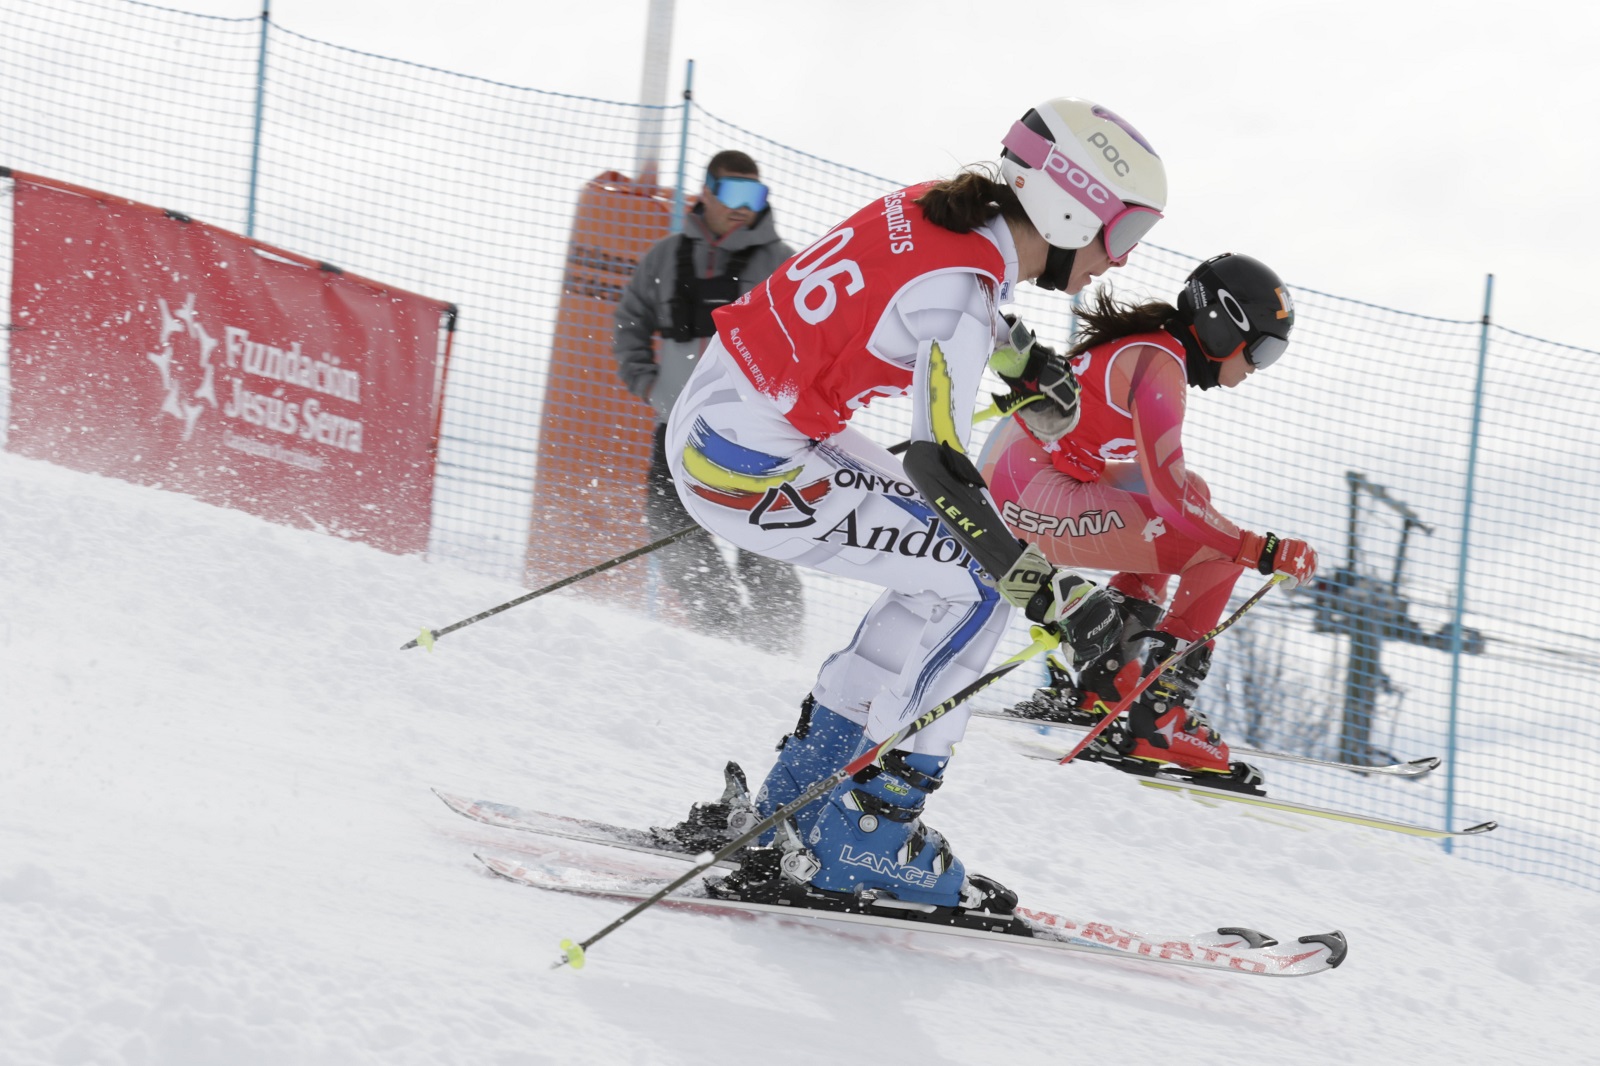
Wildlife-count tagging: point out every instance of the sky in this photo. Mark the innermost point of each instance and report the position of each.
(218, 845)
(1387, 151)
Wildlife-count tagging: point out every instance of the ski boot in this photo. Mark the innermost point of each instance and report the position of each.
(821, 742)
(711, 826)
(1059, 700)
(1100, 682)
(868, 851)
(1107, 678)
(1163, 730)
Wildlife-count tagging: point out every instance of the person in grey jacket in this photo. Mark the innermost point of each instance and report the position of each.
(728, 246)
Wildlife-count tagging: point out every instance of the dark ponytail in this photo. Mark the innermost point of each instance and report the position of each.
(1104, 319)
(969, 200)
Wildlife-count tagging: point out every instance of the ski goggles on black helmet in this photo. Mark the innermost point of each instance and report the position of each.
(1222, 337)
(1265, 350)
(1122, 225)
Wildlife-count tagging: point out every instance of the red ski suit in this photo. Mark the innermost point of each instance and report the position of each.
(1115, 493)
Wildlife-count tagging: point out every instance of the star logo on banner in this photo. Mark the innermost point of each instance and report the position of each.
(185, 355)
(1154, 528)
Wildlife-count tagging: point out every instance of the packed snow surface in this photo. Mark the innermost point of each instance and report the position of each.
(218, 845)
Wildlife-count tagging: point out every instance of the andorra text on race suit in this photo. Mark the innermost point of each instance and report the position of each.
(886, 304)
(1114, 494)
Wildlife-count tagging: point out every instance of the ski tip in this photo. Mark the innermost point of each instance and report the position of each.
(1425, 765)
(571, 955)
(498, 867)
(1338, 947)
(1481, 827)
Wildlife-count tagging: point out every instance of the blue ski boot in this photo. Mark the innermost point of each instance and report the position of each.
(822, 742)
(869, 842)
(868, 851)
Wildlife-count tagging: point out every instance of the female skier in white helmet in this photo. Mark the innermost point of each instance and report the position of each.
(902, 298)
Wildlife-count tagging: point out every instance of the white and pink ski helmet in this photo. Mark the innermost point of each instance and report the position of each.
(1080, 170)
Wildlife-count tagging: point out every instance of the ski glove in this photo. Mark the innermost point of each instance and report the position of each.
(1044, 390)
(1082, 614)
(1270, 554)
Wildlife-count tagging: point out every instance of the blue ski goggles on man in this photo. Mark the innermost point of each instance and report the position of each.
(738, 193)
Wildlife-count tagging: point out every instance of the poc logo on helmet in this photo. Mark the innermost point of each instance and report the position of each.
(1075, 175)
(1109, 151)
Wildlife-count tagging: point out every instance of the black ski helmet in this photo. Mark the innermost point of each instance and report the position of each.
(1233, 303)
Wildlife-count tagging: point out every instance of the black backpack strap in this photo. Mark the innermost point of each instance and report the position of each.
(694, 297)
(739, 261)
(683, 294)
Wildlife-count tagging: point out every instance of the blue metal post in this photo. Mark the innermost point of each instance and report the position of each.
(255, 139)
(683, 151)
(1461, 565)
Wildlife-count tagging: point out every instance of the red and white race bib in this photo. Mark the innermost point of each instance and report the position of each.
(802, 337)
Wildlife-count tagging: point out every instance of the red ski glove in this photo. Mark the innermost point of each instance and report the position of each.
(1269, 554)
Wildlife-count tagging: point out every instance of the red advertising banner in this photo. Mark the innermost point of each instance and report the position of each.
(171, 353)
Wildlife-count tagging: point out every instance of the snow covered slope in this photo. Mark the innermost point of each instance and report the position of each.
(217, 845)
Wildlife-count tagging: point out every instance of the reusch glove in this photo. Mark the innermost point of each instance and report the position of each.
(1083, 614)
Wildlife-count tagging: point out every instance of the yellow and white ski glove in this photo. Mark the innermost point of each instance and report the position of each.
(1044, 390)
(1082, 613)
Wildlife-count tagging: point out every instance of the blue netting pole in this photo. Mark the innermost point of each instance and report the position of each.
(255, 137)
(683, 150)
(1461, 562)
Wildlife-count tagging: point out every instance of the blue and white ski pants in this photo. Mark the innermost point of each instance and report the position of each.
(842, 506)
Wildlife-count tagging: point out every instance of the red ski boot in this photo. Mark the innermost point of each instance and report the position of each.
(1181, 737)
(1164, 728)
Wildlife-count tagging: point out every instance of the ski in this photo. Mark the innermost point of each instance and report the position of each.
(543, 823)
(1413, 768)
(1164, 779)
(524, 820)
(1228, 949)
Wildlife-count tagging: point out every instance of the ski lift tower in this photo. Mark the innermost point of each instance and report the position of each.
(1369, 608)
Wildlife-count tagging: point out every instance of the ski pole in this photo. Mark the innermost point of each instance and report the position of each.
(1145, 682)
(428, 636)
(572, 954)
